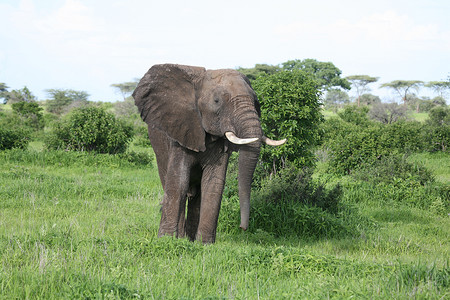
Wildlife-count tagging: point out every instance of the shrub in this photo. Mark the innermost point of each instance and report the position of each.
(289, 203)
(289, 109)
(91, 129)
(30, 114)
(355, 115)
(392, 169)
(13, 138)
(437, 129)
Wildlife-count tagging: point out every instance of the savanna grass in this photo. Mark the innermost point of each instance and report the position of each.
(76, 227)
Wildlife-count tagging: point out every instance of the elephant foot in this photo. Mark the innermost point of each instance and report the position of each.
(206, 238)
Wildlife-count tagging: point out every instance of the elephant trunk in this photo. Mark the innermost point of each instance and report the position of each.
(248, 158)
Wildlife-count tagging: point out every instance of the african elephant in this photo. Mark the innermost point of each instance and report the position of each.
(195, 118)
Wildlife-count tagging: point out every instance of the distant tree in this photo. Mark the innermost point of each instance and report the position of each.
(355, 115)
(60, 99)
(360, 83)
(336, 98)
(125, 88)
(326, 74)
(30, 114)
(125, 108)
(439, 116)
(403, 87)
(388, 113)
(15, 96)
(258, 70)
(439, 87)
(3, 91)
(369, 99)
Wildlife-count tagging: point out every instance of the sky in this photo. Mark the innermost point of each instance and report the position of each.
(87, 45)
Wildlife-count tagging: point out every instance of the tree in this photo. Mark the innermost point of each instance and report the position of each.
(402, 87)
(369, 99)
(60, 99)
(3, 91)
(360, 83)
(30, 114)
(125, 88)
(259, 70)
(289, 109)
(388, 113)
(326, 74)
(439, 87)
(15, 96)
(335, 98)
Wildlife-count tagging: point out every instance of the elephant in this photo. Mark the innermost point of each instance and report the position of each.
(196, 118)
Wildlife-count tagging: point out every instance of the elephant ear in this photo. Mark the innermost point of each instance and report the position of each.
(166, 99)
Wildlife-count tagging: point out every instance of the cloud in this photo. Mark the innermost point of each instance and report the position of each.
(388, 29)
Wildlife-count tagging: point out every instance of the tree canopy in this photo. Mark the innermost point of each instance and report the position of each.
(403, 87)
(326, 74)
(61, 98)
(125, 88)
(15, 96)
(360, 83)
(439, 87)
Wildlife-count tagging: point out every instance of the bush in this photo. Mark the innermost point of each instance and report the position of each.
(91, 129)
(30, 114)
(355, 115)
(13, 138)
(289, 203)
(290, 109)
(392, 169)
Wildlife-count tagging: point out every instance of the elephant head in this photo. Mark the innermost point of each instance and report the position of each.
(194, 106)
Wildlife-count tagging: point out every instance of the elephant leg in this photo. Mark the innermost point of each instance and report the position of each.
(193, 215)
(175, 190)
(213, 181)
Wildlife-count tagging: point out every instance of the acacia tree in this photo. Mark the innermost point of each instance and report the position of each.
(326, 74)
(360, 83)
(125, 88)
(289, 109)
(403, 87)
(439, 87)
(336, 98)
(60, 99)
(258, 70)
(16, 96)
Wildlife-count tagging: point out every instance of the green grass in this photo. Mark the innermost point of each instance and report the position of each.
(84, 226)
(420, 117)
(438, 162)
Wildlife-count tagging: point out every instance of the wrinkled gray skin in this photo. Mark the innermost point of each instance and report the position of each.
(188, 111)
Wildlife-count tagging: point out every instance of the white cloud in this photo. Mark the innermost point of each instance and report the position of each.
(378, 30)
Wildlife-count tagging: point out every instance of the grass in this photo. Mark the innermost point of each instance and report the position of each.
(438, 162)
(84, 226)
(420, 117)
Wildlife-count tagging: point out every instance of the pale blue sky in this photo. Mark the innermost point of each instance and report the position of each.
(88, 45)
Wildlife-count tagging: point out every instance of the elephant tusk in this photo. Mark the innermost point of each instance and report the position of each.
(270, 142)
(235, 140)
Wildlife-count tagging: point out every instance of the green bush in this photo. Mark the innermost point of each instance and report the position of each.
(355, 115)
(13, 138)
(91, 129)
(290, 108)
(30, 114)
(393, 169)
(348, 145)
(290, 204)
